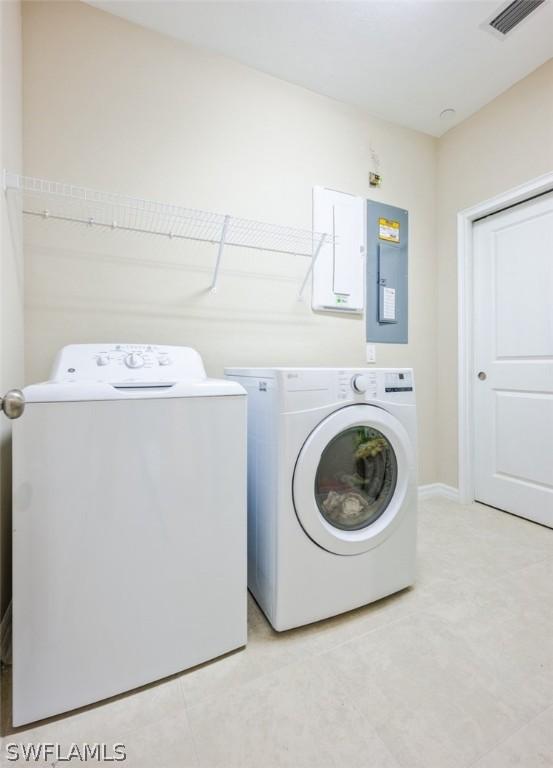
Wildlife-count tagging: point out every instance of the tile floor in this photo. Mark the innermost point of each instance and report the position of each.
(455, 672)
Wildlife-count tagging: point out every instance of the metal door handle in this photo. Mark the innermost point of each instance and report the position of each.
(482, 375)
(13, 403)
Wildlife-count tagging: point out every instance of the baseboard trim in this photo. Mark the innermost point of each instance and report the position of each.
(6, 636)
(438, 489)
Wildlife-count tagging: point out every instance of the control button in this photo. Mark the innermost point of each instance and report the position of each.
(359, 383)
(164, 361)
(134, 360)
(102, 360)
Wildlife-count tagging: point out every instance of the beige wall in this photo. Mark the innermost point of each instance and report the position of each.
(11, 267)
(111, 105)
(507, 143)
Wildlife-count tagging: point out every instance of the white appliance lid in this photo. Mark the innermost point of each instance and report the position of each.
(128, 371)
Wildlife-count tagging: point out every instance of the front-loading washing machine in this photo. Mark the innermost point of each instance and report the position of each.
(129, 524)
(332, 488)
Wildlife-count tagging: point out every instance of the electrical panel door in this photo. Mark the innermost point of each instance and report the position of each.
(387, 274)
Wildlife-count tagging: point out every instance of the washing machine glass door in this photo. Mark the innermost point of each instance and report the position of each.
(351, 479)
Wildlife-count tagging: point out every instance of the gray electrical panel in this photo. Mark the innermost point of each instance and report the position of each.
(387, 273)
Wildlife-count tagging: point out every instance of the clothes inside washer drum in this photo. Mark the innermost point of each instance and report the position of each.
(356, 478)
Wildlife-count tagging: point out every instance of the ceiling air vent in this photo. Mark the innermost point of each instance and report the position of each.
(513, 14)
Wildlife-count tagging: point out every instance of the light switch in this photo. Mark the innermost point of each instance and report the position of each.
(371, 353)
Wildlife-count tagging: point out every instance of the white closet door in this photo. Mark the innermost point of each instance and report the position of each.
(513, 360)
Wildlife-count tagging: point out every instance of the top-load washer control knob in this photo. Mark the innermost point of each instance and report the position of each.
(102, 360)
(359, 383)
(134, 360)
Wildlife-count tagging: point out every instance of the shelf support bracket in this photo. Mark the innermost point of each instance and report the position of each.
(222, 241)
(9, 180)
(312, 265)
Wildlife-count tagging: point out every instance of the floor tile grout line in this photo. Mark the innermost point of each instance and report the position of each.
(472, 764)
(79, 715)
(491, 512)
(385, 625)
(524, 567)
(301, 657)
(181, 711)
(397, 759)
(193, 737)
(432, 600)
(499, 743)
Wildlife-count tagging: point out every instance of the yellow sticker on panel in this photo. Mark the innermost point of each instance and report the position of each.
(388, 230)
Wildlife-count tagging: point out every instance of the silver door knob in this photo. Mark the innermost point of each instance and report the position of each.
(482, 375)
(13, 403)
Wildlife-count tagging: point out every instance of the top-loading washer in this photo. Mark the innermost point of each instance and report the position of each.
(332, 488)
(129, 524)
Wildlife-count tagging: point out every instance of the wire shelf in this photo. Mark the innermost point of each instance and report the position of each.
(66, 202)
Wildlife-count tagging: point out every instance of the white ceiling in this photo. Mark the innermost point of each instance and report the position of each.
(403, 61)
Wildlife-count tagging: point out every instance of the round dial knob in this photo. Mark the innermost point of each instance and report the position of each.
(102, 360)
(359, 383)
(134, 360)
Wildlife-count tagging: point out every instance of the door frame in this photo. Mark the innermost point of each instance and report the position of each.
(465, 317)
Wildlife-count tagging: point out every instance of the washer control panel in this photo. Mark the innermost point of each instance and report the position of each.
(140, 363)
(398, 381)
(374, 383)
(351, 383)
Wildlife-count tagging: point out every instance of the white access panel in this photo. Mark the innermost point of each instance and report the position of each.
(338, 273)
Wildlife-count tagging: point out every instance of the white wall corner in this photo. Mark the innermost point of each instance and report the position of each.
(438, 489)
(6, 636)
